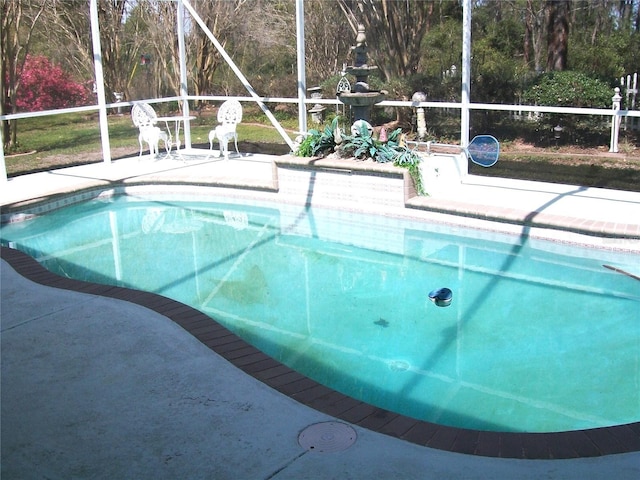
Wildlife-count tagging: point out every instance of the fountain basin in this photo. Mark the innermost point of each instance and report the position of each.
(362, 99)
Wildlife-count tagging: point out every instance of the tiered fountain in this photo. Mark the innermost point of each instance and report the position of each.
(360, 98)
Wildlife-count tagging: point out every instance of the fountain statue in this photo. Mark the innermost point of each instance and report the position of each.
(361, 98)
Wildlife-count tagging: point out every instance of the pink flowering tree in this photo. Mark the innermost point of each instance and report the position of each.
(44, 86)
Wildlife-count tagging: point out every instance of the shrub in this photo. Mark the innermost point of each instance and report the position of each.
(44, 86)
(569, 89)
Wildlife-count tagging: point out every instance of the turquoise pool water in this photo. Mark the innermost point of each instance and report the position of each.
(539, 336)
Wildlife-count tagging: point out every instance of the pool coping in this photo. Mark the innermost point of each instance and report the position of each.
(557, 445)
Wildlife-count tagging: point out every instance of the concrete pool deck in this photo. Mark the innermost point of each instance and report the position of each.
(96, 387)
(612, 216)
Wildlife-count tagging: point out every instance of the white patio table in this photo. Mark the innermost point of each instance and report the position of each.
(177, 121)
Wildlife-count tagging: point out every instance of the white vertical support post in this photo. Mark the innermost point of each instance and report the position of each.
(626, 84)
(632, 94)
(466, 73)
(97, 64)
(3, 165)
(615, 121)
(302, 83)
(183, 76)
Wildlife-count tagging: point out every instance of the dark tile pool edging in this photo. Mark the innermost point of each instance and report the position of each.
(559, 445)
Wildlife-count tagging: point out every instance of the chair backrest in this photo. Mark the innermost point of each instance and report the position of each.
(143, 115)
(230, 112)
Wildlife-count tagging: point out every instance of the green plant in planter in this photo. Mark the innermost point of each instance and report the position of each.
(318, 142)
(362, 147)
(306, 147)
(410, 160)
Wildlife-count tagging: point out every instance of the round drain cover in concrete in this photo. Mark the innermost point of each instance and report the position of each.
(327, 437)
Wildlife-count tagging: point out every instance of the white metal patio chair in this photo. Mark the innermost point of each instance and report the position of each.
(144, 117)
(229, 116)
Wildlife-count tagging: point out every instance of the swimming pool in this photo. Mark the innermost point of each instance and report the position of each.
(539, 336)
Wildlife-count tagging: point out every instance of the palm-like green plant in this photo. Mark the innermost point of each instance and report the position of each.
(319, 142)
(362, 146)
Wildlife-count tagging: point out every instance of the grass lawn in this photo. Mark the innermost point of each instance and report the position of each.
(73, 139)
(584, 170)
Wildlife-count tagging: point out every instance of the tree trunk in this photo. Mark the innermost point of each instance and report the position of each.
(395, 30)
(222, 19)
(557, 14)
(4, 104)
(535, 27)
(15, 38)
(327, 40)
(528, 33)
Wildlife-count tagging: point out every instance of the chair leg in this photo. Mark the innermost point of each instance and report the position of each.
(154, 146)
(151, 136)
(167, 144)
(235, 139)
(224, 147)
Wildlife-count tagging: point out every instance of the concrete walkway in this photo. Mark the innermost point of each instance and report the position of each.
(101, 388)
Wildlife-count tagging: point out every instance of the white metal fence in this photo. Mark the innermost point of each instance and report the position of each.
(625, 115)
(629, 88)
